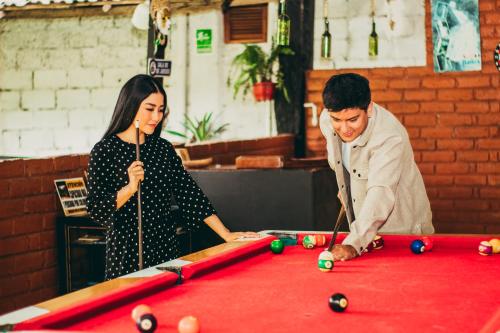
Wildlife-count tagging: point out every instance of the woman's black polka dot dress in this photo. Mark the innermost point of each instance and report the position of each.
(164, 177)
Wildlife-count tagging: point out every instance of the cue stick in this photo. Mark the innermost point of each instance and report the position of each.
(336, 228)
(139, 204)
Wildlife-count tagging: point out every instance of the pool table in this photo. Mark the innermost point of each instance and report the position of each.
(247, 288)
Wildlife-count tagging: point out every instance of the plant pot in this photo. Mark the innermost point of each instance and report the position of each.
(263, 91)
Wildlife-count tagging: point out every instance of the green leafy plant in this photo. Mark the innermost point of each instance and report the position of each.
(200, 129)
(254, 65)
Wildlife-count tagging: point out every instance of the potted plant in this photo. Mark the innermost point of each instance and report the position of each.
(257, 70)
(200, 129)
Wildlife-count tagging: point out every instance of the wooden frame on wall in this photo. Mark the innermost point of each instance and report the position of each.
(246, 24)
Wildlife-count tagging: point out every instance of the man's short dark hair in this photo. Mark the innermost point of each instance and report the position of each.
(345, 91)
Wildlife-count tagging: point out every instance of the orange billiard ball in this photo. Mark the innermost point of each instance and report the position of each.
(188, 324)
(495, 244)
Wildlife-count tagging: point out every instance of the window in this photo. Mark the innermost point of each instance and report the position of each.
(246, 24)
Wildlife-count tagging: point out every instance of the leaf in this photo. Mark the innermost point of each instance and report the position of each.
(182, 135)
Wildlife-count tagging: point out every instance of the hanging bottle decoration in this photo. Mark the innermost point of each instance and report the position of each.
(326, 38)
(373, 42)
(283, 34)
(373, 38)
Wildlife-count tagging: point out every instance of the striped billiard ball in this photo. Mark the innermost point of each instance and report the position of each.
(325, 261)
(309, 242)
(485, 248)
(378, 242)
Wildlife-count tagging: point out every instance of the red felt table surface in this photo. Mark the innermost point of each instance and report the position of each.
(450, 288)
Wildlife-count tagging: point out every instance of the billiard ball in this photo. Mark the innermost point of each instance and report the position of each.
(320, 240)
(188, 324)
(378, 242)
(144, 319)
(495, 243)
(417, 246)
(427, 243)
(277, 246)
(485, 248)
(309, 242)
(325, 261)
(338, 302)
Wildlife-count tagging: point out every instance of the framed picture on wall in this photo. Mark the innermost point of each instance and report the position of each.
(72, 194)
(455, 36)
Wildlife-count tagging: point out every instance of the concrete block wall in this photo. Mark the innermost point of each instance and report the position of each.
(59, 80)
(453, 122)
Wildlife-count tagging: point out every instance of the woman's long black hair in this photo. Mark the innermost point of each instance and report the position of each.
(131, 96)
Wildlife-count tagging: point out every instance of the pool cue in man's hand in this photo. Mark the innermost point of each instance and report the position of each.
(139, 204)
(336, 228)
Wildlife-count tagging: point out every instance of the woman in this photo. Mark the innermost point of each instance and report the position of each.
(114, 177)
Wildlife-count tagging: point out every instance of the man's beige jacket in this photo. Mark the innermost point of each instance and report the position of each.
(384, 190)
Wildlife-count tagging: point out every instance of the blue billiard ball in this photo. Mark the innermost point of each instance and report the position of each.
(417, 246)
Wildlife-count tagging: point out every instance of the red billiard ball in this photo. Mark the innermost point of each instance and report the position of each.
(428, 243)
(338, 302)
(144, 319)
(189, 324)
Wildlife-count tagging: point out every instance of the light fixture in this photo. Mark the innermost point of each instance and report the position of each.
(140, 18)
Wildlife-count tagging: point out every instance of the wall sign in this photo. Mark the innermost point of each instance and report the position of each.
(159, 67)
(204, 40)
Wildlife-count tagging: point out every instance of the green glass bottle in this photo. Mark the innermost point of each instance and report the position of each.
(283, 34)
(326, 42)
(373, 42)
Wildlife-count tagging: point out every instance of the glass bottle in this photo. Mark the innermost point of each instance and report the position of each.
(373, 42)
(326, 41)
(283, 34)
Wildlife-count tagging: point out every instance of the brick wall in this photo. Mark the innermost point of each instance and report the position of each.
(29, 206)
(453, 121)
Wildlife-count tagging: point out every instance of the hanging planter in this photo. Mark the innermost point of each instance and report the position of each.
(264, 91)
(254, 69)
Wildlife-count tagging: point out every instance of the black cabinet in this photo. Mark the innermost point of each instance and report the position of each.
(82, 251)
(278, 199)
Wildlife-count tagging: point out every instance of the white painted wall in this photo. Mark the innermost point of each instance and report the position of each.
(200, 78)
(350, 26)
(59, 80)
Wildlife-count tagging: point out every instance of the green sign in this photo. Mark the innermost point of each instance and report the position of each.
(204, 40)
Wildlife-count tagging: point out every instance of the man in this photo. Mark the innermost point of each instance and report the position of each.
(379, 183)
